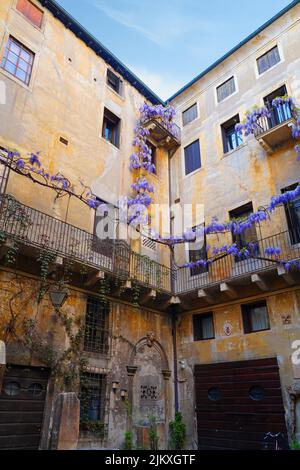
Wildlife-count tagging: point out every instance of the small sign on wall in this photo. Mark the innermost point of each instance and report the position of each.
(228, 328)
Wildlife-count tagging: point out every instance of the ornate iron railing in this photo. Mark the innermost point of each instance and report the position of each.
(37, 229)
(278, 115)
(228, 267)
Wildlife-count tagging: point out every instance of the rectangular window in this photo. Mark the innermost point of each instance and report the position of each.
(249, 235)
(31, 11)
(114, 82)
(96, 335)
(226, 89)
(92, 400)
(192, 157)
(292, 210)
(268, 60)
(18, 60)
(255, 317)
(153, 155)
(198, 253)
(190, 114)
(231, 138)
(111, 128)
(203, 326)
(278, 114)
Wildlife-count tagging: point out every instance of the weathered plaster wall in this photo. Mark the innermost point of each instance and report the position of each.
(276, 342)
(66, 97)
(227, 181)
(129, 328)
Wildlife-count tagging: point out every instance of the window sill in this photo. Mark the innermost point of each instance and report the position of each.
(258, 331)
(227, 154)
(114, 92)
(193, 173)
(270, 69)
(16, 80)
(109, 143)
(38, 28)
(203, 340)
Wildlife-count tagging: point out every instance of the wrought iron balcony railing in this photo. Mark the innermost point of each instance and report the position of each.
(275, 130)
(33, 228)
(36, 229)
(227, 268)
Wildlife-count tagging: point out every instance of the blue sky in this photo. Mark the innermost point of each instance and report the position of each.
(168, 42)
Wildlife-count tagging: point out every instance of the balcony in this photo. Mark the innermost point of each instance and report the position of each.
(275, 131)
(228, 277)
(35, 230)
(165, 135)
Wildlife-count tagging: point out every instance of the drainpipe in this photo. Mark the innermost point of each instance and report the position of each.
(174, 311)
(174, 335)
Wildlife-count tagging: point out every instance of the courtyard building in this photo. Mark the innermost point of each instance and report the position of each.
(100, 340)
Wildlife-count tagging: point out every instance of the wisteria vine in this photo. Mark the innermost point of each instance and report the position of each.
(31, 167)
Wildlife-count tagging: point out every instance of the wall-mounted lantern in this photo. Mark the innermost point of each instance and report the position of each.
(58, 296)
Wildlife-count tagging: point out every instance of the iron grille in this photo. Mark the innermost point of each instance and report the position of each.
(93, 401)
(97, 331)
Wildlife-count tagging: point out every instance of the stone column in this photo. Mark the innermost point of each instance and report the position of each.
(65, 431)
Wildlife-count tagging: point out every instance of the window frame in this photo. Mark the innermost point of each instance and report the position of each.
(197, 270)
(195, 105)
(97, 317)
(224, 130)
(38, 7)
(247, 318)
(238, 239)
(109, 116)
(8, 41)
(201, 316)
(233, 77)
(119, 91)
(184, 158)
(294, 232)
(264, 55)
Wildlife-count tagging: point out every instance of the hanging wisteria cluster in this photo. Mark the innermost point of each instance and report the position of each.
(141, 162)
(31, 167)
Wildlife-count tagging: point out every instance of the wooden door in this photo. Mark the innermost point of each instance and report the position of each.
(22, 402)
(238, 404)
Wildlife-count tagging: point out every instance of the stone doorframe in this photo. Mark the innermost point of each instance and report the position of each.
(294, 395)
(151, 342)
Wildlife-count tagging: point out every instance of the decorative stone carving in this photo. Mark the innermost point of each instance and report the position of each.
(150, 339)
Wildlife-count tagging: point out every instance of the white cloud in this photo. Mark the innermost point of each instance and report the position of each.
(160, 27)
(163, 86)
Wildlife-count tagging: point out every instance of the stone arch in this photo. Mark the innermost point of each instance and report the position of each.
(149, 388)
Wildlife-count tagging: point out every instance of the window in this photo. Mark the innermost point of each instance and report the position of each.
(190, 114)
(153, 155)
(231, 138)
(280, 113)
(255, 317)
(203, 327)
(114, 82)
(198, 252)
(292, 210)
(92, 398)
(96, 335)
(268, 60)
(249, 235)
(18, 60)
(111, 128)
(31, 11)
(226, 89)
(192, 157)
